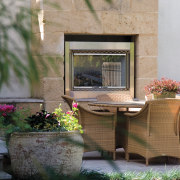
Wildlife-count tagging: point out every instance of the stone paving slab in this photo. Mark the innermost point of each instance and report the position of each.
(94, 161)
(4, 175)
(3, 148)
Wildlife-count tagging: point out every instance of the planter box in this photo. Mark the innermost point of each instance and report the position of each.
(32, 152)
(165, 95)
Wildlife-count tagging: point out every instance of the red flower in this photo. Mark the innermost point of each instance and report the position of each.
(4, 114)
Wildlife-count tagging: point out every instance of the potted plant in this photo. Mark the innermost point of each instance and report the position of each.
(45, 140)
(164, 88)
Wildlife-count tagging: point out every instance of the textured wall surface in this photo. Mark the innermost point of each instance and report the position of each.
(124, 17)
(33, 152)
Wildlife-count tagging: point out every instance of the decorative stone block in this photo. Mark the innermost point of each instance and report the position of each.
(64, 5)
(36, 44)
(50, 106)
(132, 23)
(81, 5)
(144, 6)
(85, 22)
(32, 107)
(146, 67)
(140, 84)
(53, 43)
(53, 89)
(123, 6)
(57, 21)
(55, 66)
(147, 45)
(36, 20)
(35, 4)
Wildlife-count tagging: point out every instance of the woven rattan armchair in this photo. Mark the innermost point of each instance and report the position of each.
(69, 100)
(99, 130)
(156, 126)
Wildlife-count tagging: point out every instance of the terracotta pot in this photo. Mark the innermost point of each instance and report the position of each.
(165, 95)
(31, 152)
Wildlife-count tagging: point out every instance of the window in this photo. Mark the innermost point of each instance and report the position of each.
(97, 66)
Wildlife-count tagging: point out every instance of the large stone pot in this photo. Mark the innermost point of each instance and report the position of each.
(32, 152)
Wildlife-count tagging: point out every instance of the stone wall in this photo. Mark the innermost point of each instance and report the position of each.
(124, 17)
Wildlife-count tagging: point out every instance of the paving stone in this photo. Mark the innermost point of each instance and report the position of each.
(4, 175)
(92, 161)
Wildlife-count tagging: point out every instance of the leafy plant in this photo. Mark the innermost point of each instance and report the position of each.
(12, 120)
(44, 121)
(69, 119)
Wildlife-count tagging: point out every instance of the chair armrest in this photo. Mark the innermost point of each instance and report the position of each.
(136, 114)
(132, 114)
(97, 113)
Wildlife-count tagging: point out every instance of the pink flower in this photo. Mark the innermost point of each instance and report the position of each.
(75, 105)
(47, 115)
(4, 114)
(69, 112)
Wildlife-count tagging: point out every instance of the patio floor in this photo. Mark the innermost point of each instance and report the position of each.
(94, 161)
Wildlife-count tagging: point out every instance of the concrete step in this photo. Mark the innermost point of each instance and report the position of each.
(3, 148)
(4, 175)
(3, 151)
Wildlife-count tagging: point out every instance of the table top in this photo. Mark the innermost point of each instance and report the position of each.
(128, 104)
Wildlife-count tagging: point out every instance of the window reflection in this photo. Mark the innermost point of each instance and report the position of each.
(99, 70)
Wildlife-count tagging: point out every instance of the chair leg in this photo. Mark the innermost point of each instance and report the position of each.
(102, 153)
(127, 156)
(114, 155)
(147, 161)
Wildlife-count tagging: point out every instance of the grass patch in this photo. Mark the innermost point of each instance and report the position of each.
(93, 175)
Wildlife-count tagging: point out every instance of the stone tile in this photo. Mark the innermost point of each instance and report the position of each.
(53, 44)
(147, 45)
(53, 89)
(35, 4)
(50, 106)
(146, 67)
(85, 22)
(144, 6)
(34, 21)
(140, 84)
(111, 22)
(32, 107)
(81, 4)
(116, 23)
(37, 87)
(36, 43)
(50, 66)
(57, 21)
(146, 23)
(55, 65)
(123, 6)
(65, 5)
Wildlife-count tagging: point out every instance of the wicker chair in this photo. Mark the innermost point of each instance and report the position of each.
(69, 100)
(99, 130)
(156, 126)
(118, 97)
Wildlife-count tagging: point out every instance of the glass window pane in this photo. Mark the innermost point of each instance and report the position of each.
(99, 70)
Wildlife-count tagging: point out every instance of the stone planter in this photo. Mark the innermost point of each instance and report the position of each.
(165, 95)
(31, 152)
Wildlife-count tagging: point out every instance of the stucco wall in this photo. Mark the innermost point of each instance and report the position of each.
(169, 39)
(15, 89)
